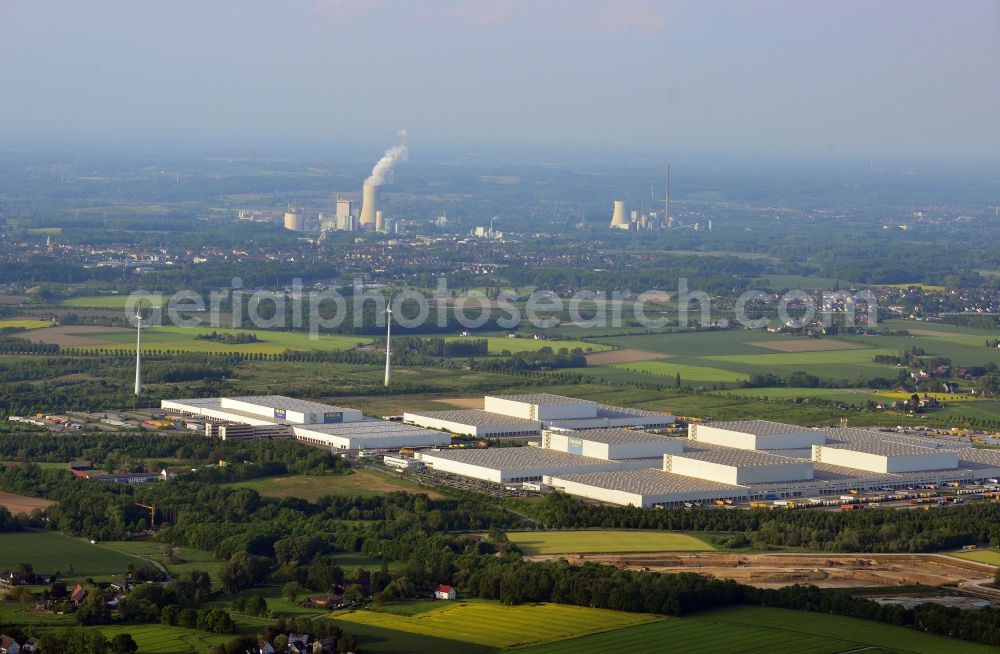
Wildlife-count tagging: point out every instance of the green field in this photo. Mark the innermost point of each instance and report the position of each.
(849, 395)
(730, 356)
(187, 558)
(688, 373)
(49, 552)
(753, 630)
(183, 339)
(861, 632)
(573, 542)
(160, 639)
(493, 624)
(498, 344)
(118, 301)
(695, 636)
(378, 640)
(312, 487)
(24, 323)
(990, 556)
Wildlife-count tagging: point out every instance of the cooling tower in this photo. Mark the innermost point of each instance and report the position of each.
(618, 218)
(369, 205)
(294, 220)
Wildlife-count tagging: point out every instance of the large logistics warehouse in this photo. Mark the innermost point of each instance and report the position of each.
(737, 466)
(615, 465)
(323, 425)
(528, 414)
(612, 443)
(756, 435)
(475, 423)
(512, 464)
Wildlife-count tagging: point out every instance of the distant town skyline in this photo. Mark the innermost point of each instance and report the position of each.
(888, 79)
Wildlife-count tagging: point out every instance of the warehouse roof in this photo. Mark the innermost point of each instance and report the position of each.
(201, 402)
(649, 482)
(542, 398)
(757, 427)
(852, 435)
(619, 436)
(609, 411)
(737, 457)
(828, 472)
(883, 448)
(476, 417)
(288, 403)
(499, 458)
(367, 428)
(977, 457)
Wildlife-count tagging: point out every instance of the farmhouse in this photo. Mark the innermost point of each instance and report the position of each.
(444, 592)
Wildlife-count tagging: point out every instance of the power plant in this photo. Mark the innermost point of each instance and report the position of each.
(618, 219)
(369, 205)
(652, 220)
(295, 220)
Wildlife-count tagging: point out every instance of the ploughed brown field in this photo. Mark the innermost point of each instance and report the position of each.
(71, 335)
(782, 569)
(22, 503)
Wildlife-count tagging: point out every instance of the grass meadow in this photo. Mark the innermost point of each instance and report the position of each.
(364, 483)
(50, 551)
(605, 541)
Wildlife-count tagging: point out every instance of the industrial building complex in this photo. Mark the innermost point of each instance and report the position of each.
(612, 454)
(736, 462)
(338, 428)
(528, 415)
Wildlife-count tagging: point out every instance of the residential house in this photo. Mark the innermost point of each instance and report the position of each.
(78, 595)
(445, 592)
(8, 645)
(299, 643)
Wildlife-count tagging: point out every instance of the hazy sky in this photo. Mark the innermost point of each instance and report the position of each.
(870, 78)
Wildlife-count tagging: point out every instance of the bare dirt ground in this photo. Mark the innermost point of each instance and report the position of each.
(807, 345)
(463, 402)
(622, 356)
(825, 570)
(70, 335)
(22, 503)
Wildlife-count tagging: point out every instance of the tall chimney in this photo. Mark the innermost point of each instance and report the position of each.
(369, 205)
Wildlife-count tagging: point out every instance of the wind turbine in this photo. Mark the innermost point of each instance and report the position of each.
(388, 346)
(138, 363)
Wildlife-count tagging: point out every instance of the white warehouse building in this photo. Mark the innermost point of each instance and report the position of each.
(475, 423)
(886, 457)
(528, 414)
(322, 425)
(737, 466)
(612, 443)
(511, 464)
(756, 435)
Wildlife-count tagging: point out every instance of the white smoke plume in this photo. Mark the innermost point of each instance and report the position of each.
(382, 172)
